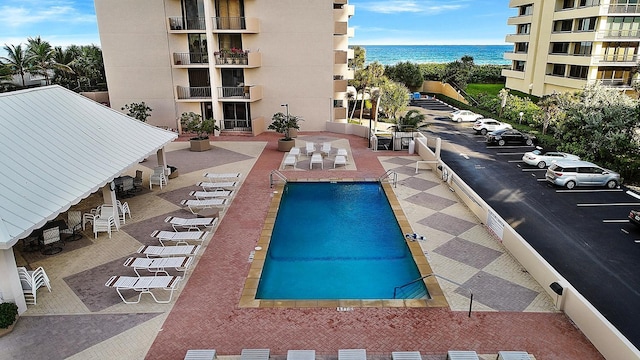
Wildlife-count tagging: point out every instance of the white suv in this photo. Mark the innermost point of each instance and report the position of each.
(483, 126)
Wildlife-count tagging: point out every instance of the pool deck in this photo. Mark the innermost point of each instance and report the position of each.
(83, 319)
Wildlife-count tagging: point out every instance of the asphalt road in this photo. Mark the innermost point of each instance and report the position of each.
(582, 233)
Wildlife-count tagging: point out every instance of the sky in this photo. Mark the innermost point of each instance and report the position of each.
(376, 22)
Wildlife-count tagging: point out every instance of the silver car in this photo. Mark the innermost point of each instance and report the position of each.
(581, 173)
(542, 158)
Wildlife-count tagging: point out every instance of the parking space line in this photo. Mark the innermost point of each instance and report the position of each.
(588, 190)
(518, 153)
(533, 169)
(614, 221)
(515, 161)
(608, 204)
(541, 180)
(633, 194)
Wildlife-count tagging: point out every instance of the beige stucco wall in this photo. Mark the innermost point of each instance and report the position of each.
(438, 87)
(295, 40)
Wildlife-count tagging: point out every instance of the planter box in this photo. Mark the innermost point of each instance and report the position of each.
(200, 145)
(286, 145)
(8, 330)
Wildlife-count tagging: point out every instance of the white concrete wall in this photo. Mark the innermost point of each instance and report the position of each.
(10, 288)
(604, 336)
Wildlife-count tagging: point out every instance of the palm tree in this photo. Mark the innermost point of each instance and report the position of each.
(16, 60)
(41, 56)
(372, 76)
(412, 121)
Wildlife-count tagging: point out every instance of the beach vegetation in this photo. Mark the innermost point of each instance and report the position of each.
(394, 99)
(405, 72)
(367, 78)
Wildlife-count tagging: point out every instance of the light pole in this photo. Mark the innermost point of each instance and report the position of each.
(521, 113)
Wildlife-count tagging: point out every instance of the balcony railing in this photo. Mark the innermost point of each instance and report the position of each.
(232, 59)
(624, 9)
(618, 34)
(190, 58)
(236, 24)
(630, 58)
(617, 83)
(203, 92)
(234, 92)
(180, 23)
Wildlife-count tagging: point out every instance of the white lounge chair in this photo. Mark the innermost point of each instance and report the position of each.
(342, 152)
(295, 152)
(326, 148)
(159, 265)
(289, 160)
(462, 355)
(310, 148)
(201, 195)
(196, 224)
(513, 355)
(204, 354)
(339, 160)
(352, 354)
(255, 354)
(211, 186)
(144, 285)
(406, 355)
(193, 205)
(168, 251)
(316, 158)
(301, 355)
(222, 176)
(180, 237)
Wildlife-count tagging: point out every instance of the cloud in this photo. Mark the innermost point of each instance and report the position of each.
(26, 14)
(411, 6)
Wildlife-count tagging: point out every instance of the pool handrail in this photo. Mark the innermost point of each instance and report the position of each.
(277, 174)
(391, 175)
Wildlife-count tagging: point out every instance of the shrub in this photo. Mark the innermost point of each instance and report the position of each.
(8, 313)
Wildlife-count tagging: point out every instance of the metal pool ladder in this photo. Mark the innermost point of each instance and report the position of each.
(276, 174)
(391, 175)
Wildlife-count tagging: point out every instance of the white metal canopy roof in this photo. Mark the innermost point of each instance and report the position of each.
(58, 147)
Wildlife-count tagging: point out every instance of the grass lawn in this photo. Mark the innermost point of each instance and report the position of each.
(491, 89)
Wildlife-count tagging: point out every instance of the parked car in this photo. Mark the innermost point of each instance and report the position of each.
(483, 126)
(509, 136)
(634, 217)
(581, 173)
(464, 115)
(543, 158)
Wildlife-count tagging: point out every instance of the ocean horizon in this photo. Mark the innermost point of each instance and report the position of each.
(423, 54)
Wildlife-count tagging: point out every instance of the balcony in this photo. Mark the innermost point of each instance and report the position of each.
(340, 57)
(191, 59)
(244, 59)
(623, 9)
(340, 28)
(248, 93)
(236, 25)
(516, 38)
(339, 84)
(619, 60)
(351, 32)
(508, 73)
(520, 55)
(339, 113)
(623, 84)
(619, 34)
(196, 93)
(180, 24)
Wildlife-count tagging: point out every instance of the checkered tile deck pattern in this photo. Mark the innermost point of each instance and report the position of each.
(82, 319)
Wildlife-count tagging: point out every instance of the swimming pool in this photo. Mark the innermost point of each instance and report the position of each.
(336, 240)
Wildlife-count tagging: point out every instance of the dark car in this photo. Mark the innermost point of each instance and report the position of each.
(634, 217)
(510, 136)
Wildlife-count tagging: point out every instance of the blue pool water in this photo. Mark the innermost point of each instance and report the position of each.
(335, 241)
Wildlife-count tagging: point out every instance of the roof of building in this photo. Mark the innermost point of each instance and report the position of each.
(57, 148)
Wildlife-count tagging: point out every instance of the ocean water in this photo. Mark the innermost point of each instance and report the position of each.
(393, 54)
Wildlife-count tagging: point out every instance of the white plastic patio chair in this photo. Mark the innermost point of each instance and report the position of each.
(326, 148)
(290, 160)
(339, 160)
(295, 152)
(31, 281)
(158, 177)
(310, 148)
(104, 221)
(123, 210)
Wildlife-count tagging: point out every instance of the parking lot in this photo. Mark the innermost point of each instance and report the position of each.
(584, 233)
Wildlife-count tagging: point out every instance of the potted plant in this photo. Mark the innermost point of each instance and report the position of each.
(283, 124)
(8, 317)
(194, 123)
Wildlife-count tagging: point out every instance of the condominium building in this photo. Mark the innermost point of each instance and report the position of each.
(563, 45)
(237, 61)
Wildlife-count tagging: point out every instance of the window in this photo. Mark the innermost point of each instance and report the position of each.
(521, 47)
(582, 48)
(236, 115)
(567, 4)
(560, 48)
(524, 29)
(198, 48)
(562, 26)
(586, 24)
(623, 26)
(518, 65)
(585, 3)
(557, 69)
(526, 10)
(578, 72)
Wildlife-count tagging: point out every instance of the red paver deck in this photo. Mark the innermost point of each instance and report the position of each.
(207, 315)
